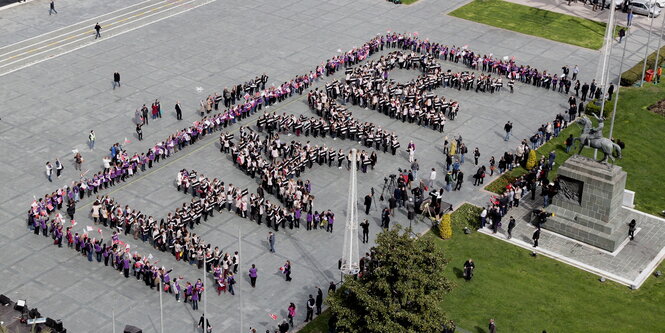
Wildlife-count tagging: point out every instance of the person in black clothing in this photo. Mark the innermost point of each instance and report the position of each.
(469, 266)
(283, 327)
(535, 237)
(98, 28)
(139, 132)
(71, 209)
(310, 308)
(116, 80)
(332, 288)
(460, 180)
(178, 111)
(319, 300)
(477, 177)
(511, 226)
(207, 323)
(365, 226)
(368, 203)
(631, 229)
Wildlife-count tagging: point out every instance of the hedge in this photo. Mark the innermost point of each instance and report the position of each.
(633, 75)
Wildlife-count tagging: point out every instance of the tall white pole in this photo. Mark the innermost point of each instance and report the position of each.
(205, 289)
(239, 255)
(350, 254)
(606, 71)
(113, 314)
(606, 58)
(616, 101)
(646, 49)
(660, 38)
(161, 307)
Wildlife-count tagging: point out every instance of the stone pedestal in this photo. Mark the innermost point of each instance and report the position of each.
(588, 205)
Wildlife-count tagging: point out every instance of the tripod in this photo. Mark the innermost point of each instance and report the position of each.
(374, 199)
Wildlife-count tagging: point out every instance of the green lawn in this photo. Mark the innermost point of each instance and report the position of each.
(537, 22)
(318, 325)
(530, 294)
(408, 2)
(644, 134)
(527, 294)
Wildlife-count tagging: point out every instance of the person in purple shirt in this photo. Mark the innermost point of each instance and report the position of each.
(166, 279)
(58, 236)
(253, 274)
(331, 220)
(125, 267)
(230, 281)
(43, 226)
(188, 291)
(195, 299)
(88, 249)
(98, 250)
(105, 254)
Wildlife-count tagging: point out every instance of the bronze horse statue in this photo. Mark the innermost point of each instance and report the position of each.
(593, 137)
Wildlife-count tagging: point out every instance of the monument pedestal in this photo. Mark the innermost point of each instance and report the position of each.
(588, 205)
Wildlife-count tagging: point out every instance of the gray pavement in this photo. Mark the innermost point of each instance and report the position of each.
(50, 106)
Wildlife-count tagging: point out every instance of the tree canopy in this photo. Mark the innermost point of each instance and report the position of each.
(399, 291)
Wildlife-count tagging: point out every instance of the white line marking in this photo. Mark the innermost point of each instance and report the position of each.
(73, 32)
(120, 33)
(71, 25)
(110, 29)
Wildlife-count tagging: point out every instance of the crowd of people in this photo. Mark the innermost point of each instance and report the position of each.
(115, 252)
(416, 103)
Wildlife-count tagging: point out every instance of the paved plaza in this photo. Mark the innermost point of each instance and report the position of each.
(57, 86)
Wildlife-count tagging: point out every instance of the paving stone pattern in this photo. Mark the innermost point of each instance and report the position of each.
(49, 108)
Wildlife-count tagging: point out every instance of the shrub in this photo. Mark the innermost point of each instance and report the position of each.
(499, 184)
(634, 74)
(445, 227)
(466, 215)
(592, 108)
(531, 160)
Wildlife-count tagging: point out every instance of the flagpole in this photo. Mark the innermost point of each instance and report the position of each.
(239, 255)
(113, 314)
(205, 289)
(660, 38)
(161, 307)
(616, 100)
(646, 49)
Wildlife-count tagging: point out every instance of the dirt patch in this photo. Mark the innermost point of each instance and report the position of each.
(658, 108)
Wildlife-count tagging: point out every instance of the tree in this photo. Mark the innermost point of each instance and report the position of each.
(445, 227)
(531, 160)
(399, 292)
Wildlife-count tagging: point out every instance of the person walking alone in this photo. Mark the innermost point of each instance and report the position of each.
(631, 229)
(139, 132)
(365, 226)
(116, 80)
(511, 226)
(508, 127)
(52, 8)
(58, 167)
(292, 313)
(271, 241)
(49, 171)
(91, 140)
(98, 29)
(253, 274)
(178, 111)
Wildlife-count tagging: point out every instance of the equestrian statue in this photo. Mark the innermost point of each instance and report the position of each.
(593, 137)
